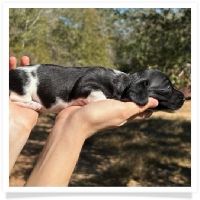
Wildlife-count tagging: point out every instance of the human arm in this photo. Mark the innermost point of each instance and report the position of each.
(72, 127)
(21, 122)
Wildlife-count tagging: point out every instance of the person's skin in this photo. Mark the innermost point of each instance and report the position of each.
(21, 122)
(72, 127)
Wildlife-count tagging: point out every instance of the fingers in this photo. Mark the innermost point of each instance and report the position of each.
(152, 103)
(141, 112)
(147, 113)
(25, 61)
(133, 109)
(143, 115)
(12, 62)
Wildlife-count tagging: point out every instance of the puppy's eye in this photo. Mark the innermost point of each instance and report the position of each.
(146, 83)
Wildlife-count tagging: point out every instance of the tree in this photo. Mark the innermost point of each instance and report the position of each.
(155, 38)
(29, 29)
(79, 36)
(127, 39)
(70, 37)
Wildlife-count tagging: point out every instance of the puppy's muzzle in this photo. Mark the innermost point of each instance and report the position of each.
(153, 83)
(172, 104)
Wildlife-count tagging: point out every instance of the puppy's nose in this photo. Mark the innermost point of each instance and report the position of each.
(180, 100)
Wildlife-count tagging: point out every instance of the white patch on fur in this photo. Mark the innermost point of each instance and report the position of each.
(118, 72)
(25, 101)
(57, 107)
(96, 96)
(32, 87)
(19, 98)
(29, 68)
(30, 99)
(60, 104)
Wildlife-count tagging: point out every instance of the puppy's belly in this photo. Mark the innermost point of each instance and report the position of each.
(57, 107)
(60, 104)
(35, 104)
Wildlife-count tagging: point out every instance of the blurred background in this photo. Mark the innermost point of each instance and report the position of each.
(153, 152)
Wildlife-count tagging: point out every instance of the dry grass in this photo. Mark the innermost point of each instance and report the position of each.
(183, 114)
(153, 152)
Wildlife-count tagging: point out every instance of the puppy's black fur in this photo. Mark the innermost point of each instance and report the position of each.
(153, 83)
(71, 83)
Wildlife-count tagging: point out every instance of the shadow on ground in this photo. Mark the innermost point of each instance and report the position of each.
(153, 152)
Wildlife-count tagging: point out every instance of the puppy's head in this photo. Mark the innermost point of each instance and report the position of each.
(153, 83)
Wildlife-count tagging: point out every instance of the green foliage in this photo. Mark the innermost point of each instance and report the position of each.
(29, 29)
(127, 39)
(80, 38)
(156, 39)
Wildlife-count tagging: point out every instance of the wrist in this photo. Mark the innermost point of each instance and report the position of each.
(74, 124)
(69, 129)
(17, 128)
(21, 119)
(17, 139)
(61, 152)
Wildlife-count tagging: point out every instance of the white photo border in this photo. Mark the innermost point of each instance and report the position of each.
(97, 4)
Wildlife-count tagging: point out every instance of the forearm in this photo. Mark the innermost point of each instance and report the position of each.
(72, 126)
(20, 126)
(58, 158)
(17, 139)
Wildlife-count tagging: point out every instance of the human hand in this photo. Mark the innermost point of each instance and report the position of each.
(101, 115)
(21, 121)
(72, 126)
(24, 118)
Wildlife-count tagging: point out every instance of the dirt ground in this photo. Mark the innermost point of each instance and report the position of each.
(152, 152)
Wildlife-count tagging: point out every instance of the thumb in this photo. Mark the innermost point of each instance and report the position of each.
(152, 103)
(133, 109)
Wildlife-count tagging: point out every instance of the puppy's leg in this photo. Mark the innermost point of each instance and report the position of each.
(96, 96)
(79, 102)
(31, 104)
(25, 101)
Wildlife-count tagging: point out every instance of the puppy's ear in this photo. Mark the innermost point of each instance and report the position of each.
(137, 91)
(138, 94)
(121, 82)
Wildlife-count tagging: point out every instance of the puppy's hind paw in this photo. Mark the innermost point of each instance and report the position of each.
(31, 104)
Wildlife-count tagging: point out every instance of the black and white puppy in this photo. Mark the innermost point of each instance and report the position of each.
(51, 88)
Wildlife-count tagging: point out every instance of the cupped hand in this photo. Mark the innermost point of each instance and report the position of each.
(101, 115)
(21, 118)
